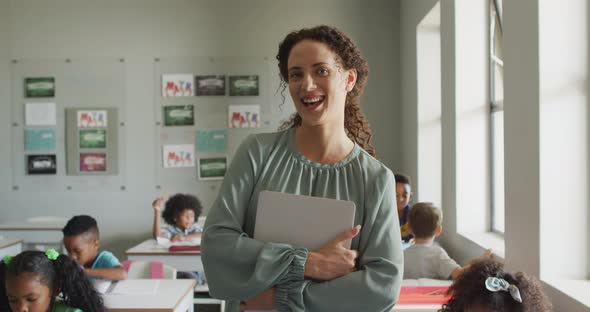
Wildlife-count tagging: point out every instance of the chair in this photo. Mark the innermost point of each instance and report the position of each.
(150, 270)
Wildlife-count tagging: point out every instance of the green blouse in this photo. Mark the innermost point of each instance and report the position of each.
(238, 267)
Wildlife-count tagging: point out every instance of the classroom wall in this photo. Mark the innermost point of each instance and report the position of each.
(522, 75)
(139, 31)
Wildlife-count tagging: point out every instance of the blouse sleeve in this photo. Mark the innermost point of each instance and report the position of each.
(375, 285)
(238, 267)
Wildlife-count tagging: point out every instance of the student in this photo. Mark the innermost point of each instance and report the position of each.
(403, 196)
(180, 213)
(37, 281)
(81, 239)
(324, 150)
(486, 287)
(425, 259)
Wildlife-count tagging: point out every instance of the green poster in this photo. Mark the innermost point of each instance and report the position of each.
(243, 85)
(39, 87)
(212, 140)
(179, 115)
(212, 168)
(95, 138)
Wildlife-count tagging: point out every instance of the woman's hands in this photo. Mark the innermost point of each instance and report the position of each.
(333, 260)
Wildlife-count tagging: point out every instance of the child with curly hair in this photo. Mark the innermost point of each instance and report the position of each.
(486, 287)
(180, 213)
(46, 281)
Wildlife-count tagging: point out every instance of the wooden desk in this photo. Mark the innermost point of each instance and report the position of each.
(10, 247)
(149, 250)
(170, 296)
(47, 233)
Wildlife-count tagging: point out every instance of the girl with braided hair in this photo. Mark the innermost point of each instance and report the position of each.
(36, 281)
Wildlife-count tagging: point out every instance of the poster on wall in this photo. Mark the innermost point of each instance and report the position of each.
(212, 140)
(174, 85)
(244, 116)
(39, 139)
(178, 156)
(243, 85)
(92, 119)
(93, 162)
(212, 168)
(93, 138)
(41, 164)
(211, 85)
(39, 87)
(179, 115)
(40, 114)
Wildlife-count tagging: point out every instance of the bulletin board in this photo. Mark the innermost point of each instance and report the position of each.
(48, 87)
(211, 113)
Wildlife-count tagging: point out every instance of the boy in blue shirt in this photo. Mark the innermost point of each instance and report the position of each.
(403, 195)
(81, 239)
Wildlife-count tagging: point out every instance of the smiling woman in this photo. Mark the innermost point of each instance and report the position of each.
(323, 151)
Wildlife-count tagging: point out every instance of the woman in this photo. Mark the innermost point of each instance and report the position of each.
(325, 151)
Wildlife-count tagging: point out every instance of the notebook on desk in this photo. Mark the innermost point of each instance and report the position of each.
(302, 221)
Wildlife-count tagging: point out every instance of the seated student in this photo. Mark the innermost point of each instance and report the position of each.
(81, 239)
(403, 196)
(425, 259)
(31, 280)
(180, 213)
(486, 287)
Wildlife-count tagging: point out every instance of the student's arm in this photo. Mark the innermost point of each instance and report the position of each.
(157, 205)
(113, 274)
(191, 236)
(182, 238)
(456, 272)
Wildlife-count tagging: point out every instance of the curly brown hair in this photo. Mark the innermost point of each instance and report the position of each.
(469, 290)
(349, 56)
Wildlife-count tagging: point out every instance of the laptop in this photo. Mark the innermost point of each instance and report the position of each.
(301, 221)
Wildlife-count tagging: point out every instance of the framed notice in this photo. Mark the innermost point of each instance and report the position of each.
(243, 85)
(39, 87)
(244, 116)
(41, 164)
(93, 162)
(175, 85)
(93, 138)
(179, 115)
(211, 85)
(212, 168)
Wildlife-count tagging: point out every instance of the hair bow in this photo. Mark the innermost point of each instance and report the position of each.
(52, 254)
(499, 284)
(7, 260)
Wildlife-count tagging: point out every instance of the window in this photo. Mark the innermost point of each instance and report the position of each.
(496, 94)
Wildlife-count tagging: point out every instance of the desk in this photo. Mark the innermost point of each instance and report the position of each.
(10, 247)
(46, 233)
(416, 308)
(170, 296)
(149, 250)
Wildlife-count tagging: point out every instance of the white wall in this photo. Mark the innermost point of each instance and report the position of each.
(523, 77)
(139, 30)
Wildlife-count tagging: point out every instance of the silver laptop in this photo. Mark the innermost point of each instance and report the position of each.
(301, 221)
